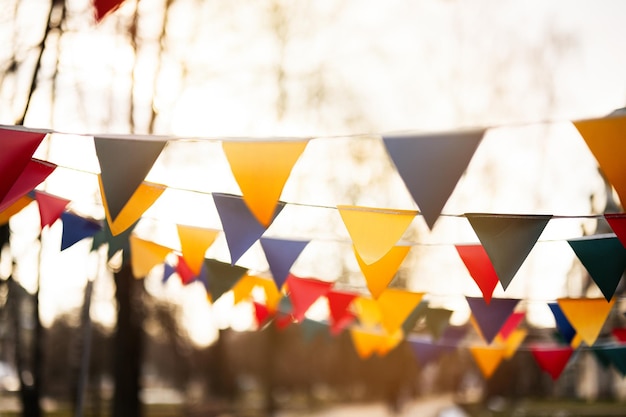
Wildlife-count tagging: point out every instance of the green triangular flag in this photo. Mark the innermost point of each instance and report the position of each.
(507, 239)
(124, 164)
(116, 243)
(604, 257)
(221, 277)
(437, 320)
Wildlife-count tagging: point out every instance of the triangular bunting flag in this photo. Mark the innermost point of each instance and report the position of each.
(103, 8)
(619, 334)
(365, 342)
(552, 359)
(168, 271)
(395, 306)
(243, 288)
(303, 292)
(389, 342)
(375, 231)
(511, 324)
(480, 268)
(605, 139)
(76, 228)
(14, 208)
(241, 228)
(562, 323)
(18, 147)
(145, 255)
(379, 274)
(124, 164)
(144, 196)
(616, 354)
(605, 260)
(586, 315)
(116, 243)
(281, 255)
(491, 317)
(431, 166)
(272, 294)
(194, 243)
(50, 207)
(338, 304)
(414, 316)
(617, 221)
(487, 358)
(261, 170)
(222, 277)
(34, 173)
(437, 320)
(424, 349)
(368, 312)
(187, 276)
(512, 342)
(507, 239)
(311, 329)
(261, 313)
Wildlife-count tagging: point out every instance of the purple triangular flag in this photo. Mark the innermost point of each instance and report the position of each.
(241, 227)
(424, 349)
(431, 165)
(507, 239)
(124, 164)
(76, 228)
(281, 255)
(604, 257)
(491, 317)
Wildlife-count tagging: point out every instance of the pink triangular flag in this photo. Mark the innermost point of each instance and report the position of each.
(50, 207)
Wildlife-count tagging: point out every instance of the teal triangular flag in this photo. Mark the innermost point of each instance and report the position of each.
(437, 320)
(124, 164)
(221, 277)
(507, 239)
(604, 257)
(116, 243)
(311, 329)
(617, 355)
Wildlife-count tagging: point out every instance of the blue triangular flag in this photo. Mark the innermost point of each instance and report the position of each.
(76, 228)
(168, 270)
(562, 323)
(424, 349)
(241, 227)
(281, 255)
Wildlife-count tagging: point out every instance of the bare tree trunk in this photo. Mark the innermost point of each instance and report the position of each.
(127, 345)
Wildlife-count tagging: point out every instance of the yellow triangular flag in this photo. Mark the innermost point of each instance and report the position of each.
(605, 138)
(261, 169)
(512, 343)
(586, 315)
(365, 342)
(145, 195)
(395, 306)
(243, 288)
(389, 342)
(487, 358)
(145, 255)
(194, 243)
(14, 208)
(380, 273)
(368, 311)
(375, 231)
(272, 294)
(576, 341)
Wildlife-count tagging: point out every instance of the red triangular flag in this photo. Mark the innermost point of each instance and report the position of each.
(50, 207)
(338, 303)
(187, 276)
(617, 221)
(303, 292)
(18, 147)
(481, 269)
(261, 313)
(552, 359)
(619, 334)
(35, 173)
(103, 8)
(511, 324)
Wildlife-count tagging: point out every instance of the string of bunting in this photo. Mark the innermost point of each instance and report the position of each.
(379, 321)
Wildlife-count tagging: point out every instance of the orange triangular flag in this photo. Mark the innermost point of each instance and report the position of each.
(586, 315)
(395, 306)
(194, 243)
(375, 231)
(605, 138)
(380, 273)
(487, 358)
(261, 169)
(243, 288)
(14, 208)
(512, 342)
(389, 342)
(365, 342)
(50, 207)
(145, 195)
(145, 255)
(272, 293)
(367, 311)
